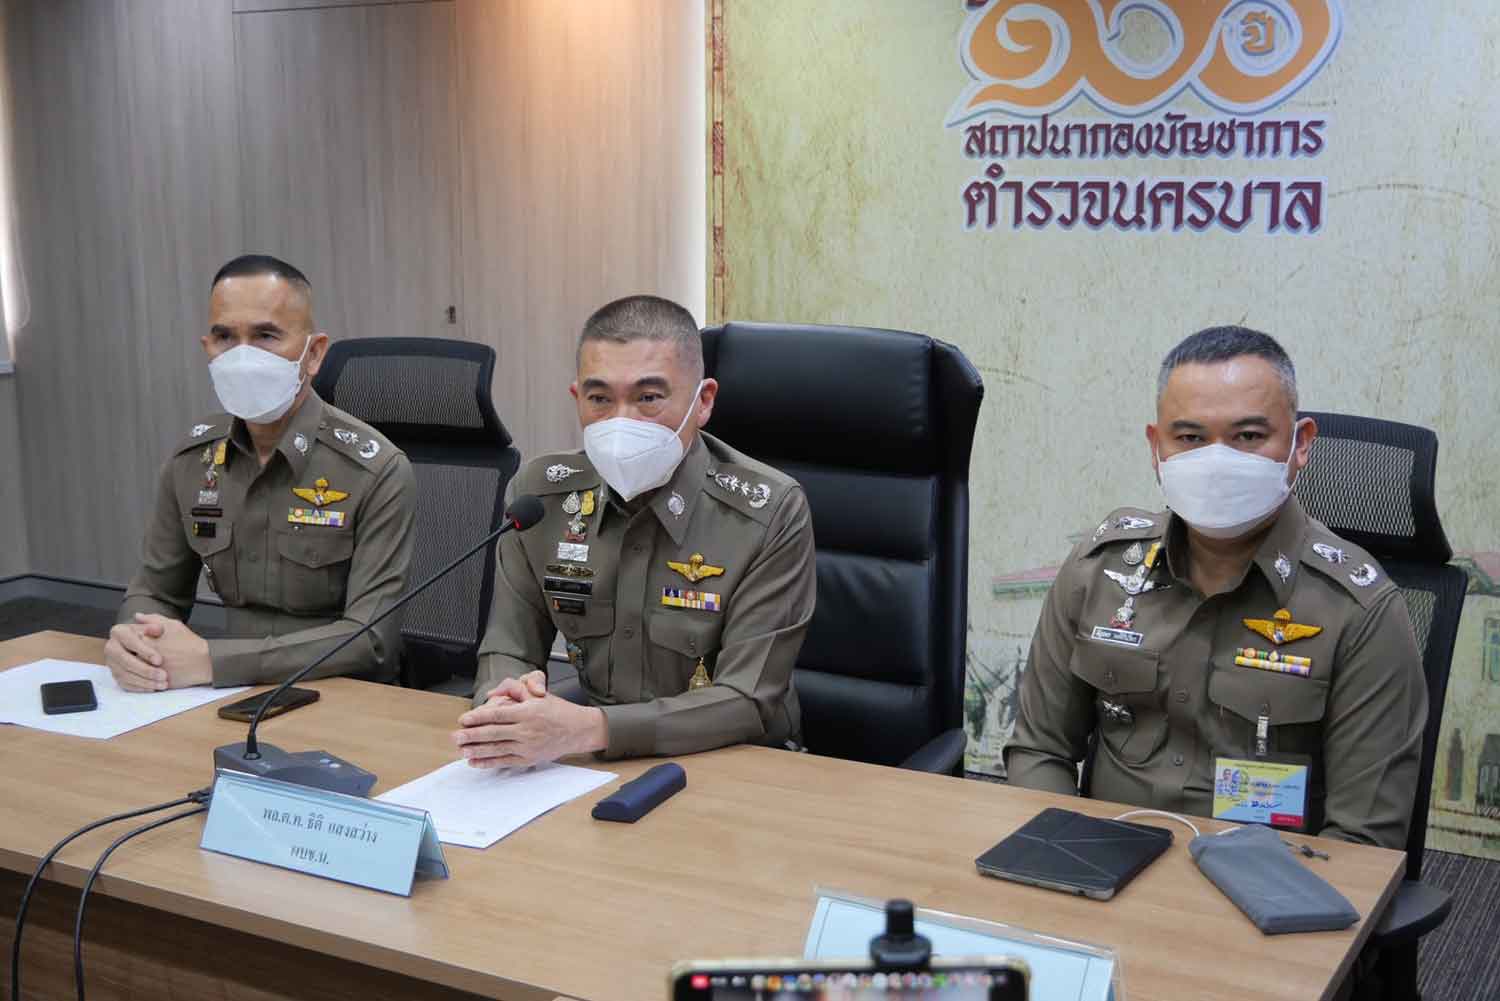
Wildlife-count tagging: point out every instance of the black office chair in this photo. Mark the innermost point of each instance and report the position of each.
(431, 397)
(1371, 481)
(877, 426)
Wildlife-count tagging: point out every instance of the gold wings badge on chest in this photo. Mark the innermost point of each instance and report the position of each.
(318, 494)
(695, 569)
(1280, 628)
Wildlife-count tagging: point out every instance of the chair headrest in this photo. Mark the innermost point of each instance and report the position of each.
(415, 388)
(1372, 482)
(849, 397)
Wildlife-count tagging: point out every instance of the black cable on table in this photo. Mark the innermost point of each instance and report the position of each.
(88, 885)
(15, 950)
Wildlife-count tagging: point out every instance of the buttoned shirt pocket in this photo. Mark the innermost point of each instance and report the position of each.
(314, 569)
(678, 640)
(1131, 718)
(217, 554)
(1293, 705)
(587, 635)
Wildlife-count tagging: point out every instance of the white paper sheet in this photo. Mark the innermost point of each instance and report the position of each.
(119, 711)
(475, 807)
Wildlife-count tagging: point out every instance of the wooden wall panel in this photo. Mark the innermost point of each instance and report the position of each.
(582, 166)
(349, 160)
(127, 179)
(571, 164)
(14, 557)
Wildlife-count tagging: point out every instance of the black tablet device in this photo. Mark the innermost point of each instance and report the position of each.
(1067, 851)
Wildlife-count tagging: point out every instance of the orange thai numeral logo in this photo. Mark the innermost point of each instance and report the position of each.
(1035, 57)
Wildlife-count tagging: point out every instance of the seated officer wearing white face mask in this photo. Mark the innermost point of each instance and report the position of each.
(679, 571)
(1234, 657)
(298, 515)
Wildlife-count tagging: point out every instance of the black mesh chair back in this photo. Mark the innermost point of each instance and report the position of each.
(431, 397)
(1372, 482)
(877, 426)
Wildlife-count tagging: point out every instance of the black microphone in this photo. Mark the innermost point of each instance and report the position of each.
(319, 768)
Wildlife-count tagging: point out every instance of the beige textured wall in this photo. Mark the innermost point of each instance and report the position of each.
(842, 201)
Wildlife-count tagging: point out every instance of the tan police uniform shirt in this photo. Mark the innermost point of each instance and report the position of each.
(1167, 697)
(636, 628)
(303, 551)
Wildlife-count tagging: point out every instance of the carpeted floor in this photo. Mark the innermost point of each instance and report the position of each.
(1459, 962)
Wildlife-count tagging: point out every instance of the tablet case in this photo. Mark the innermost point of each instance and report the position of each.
(641, 795)
(1072, 852)
(1274, 888)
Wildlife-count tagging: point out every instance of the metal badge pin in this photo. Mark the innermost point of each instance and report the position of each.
(1262, 735)
(1116, 712)
(1099, 532)
(572, 504)
(1130, 523)
(369, 449)
(299, 442)
(759, 496)
(345, 436)
(1124, 615)
(1133, 555)
(1332, 554)
(695, 569)
(199, 430)
(1364, 576)
(676, 504)
(1283, 566)
(1280, 628)
(559, 472)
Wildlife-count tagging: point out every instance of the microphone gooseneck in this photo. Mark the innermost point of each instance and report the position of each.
(525, 512)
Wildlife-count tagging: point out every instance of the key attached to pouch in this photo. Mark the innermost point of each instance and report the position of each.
(1265, 788)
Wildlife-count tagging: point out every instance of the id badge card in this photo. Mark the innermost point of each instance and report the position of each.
(1271, 790)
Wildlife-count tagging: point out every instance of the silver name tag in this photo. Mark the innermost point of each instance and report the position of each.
(1124, 637)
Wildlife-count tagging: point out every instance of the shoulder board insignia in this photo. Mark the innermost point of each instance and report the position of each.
(756, 494)
(1333, 554)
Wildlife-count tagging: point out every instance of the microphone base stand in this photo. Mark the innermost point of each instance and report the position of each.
(318, 769)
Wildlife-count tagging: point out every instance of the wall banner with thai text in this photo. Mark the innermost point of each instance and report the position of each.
(1067, 188)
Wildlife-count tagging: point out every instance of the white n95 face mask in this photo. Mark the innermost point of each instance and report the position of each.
(1223, 492)
(256, 385)
(635, 456)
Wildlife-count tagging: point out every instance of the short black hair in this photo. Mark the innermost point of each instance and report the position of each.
(651, 318)
(251, 265)
(1218, 344)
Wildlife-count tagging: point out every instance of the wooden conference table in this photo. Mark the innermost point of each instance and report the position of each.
(568, 905)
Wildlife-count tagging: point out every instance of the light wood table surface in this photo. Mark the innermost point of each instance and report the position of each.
(568, 905)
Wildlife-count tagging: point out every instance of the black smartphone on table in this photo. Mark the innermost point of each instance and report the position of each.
(68, 697)
(243, 711)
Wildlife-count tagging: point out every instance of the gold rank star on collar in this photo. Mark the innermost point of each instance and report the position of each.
(318, 494)
(695, 569)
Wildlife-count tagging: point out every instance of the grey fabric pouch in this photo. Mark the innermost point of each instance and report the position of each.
(1255, 869)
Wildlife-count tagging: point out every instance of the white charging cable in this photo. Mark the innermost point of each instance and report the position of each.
(1161, 813)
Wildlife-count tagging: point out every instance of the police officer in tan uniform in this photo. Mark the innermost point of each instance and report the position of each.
(679, 571)
(1230, 632)
(298, 514)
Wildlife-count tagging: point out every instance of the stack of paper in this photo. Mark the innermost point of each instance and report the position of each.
(475, 807)
(119, 711)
